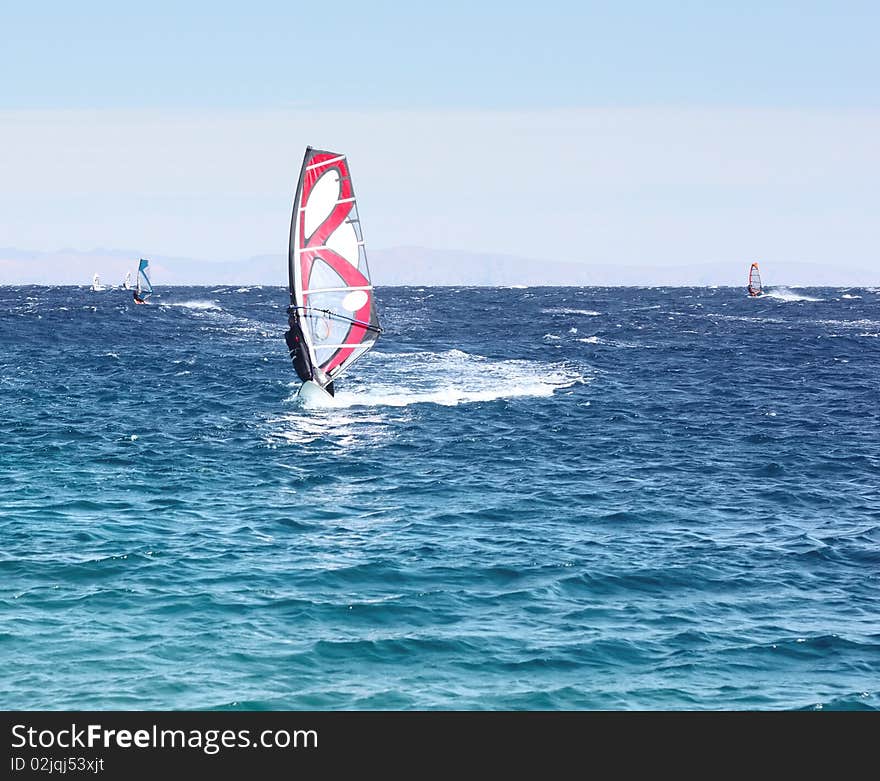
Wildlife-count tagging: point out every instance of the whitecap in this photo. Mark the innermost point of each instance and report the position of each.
(198, 305)
(567, 311)
(784, 294)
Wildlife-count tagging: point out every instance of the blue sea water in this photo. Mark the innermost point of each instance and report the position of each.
(540, 498)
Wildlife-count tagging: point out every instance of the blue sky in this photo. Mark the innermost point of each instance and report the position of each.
(627, 132)
(441, 54)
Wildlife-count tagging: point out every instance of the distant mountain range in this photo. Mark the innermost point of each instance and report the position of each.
(416, 266)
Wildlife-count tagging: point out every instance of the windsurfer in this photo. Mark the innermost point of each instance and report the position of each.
(299, 353)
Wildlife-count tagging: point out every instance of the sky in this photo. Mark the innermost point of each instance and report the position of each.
(639, 133)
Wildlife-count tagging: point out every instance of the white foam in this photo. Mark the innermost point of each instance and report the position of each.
(566, 311)
(847, 295)
(863, 323)
(448, 378)
(784, 294)
(199, 305)
(739, 318)
(346, 430)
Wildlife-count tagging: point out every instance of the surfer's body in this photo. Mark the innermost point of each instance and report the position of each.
(299, 353)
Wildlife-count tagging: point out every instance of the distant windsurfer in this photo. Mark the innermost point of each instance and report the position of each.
(144, 288)
(755, 288)
(299, 353)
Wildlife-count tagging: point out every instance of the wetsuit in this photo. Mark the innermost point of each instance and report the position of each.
(299, 353)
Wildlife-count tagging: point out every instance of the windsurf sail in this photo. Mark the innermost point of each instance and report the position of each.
(755, 288)
(127, 283)
(144, 288)
(96, 283)
(330, 284)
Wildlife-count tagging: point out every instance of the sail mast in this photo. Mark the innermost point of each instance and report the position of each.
(293, 252)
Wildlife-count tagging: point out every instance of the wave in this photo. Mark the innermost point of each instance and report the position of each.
(784, 294)
(346, 430)
(861, 324)
(567, 311)
(199, 305)
(742, 319)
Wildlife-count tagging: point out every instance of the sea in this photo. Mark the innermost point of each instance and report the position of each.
(525, 498)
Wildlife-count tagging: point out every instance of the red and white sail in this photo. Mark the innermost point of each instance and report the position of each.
(330, 281)
(755, 288)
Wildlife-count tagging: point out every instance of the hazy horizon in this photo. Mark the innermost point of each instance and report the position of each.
(408, 266)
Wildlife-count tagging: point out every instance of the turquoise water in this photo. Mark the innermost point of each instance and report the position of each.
(523, 499)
